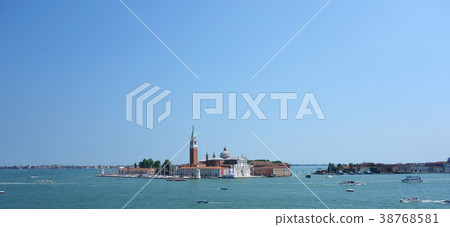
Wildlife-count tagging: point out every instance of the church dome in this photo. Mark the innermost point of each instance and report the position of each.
(224, 153)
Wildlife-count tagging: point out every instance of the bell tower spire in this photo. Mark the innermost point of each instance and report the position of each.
(193, 149)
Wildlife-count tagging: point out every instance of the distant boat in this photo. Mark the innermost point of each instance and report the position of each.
(350, 190)
(202, 201)
(329, 176)
(223, 188)
(446, 201)
(176, 179)
(351, 182)
(308, 175)
(2, 192)
(412, 179)
(410, 200)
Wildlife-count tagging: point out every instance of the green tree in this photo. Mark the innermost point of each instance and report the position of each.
(331, 168)
(350, 166)
(389, 169)
(373, 169)
(143, 164)
(151, 164)
(157, 165)
(135, 165)
(166, 165)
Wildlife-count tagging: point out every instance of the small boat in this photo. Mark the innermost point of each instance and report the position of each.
(410, 200)
(412, 179)
(329, 176)
(308, 175)
(446, 201)
(351, 182)
(202, 201)
(2, 192)
(223, 188)
(176, 179)
(350, 190)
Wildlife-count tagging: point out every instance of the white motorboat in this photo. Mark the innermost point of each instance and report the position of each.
(2, 192)
(329, 176)
(410, 200)
(351, 182)
(350, 190)
(229, 176)
(412, 179)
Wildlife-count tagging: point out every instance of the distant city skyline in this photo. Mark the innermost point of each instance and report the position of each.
(379, 70)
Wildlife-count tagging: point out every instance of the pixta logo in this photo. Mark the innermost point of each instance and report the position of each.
(143, 94)
(309, 100)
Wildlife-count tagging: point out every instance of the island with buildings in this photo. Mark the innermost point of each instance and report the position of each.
(223, 166)
(382, 168)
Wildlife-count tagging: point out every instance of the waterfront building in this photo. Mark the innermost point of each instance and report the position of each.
(419, 168)
(281, 171)
(403, 168)
(136, 171)
(446, 166)
(265, 168)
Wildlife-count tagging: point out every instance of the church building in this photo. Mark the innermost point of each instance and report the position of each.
(224, 166)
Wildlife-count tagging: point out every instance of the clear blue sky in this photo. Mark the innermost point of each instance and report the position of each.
(379, 69)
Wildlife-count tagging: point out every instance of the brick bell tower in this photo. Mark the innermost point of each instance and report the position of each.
(193, 150)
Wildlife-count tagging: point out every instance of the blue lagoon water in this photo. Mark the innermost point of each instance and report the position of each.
(79, 188)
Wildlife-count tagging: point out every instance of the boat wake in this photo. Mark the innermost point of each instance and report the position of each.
(434, 201)
(12, 183)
